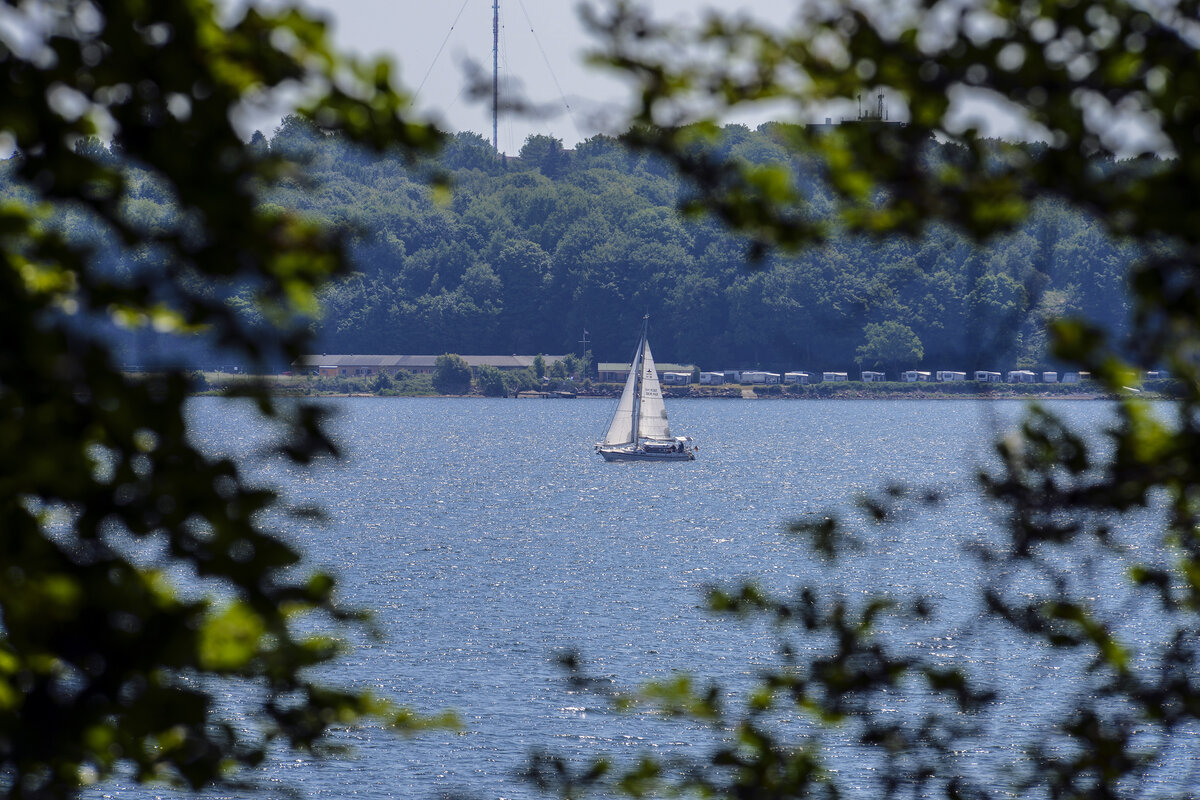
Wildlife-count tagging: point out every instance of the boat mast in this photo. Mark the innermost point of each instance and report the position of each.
(638, 359)
(495, 75)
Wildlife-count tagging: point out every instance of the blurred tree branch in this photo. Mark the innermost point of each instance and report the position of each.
(103, 665)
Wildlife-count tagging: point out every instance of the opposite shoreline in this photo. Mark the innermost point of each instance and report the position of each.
(296, 386)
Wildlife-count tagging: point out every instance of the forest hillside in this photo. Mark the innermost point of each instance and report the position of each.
(523, 255)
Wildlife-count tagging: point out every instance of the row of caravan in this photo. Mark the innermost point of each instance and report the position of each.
(986, 376)
(754, 377)
(1012, 376)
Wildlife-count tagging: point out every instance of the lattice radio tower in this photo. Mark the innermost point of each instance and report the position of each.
(496, 75)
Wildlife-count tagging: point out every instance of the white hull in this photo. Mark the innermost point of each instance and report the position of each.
(631, 453)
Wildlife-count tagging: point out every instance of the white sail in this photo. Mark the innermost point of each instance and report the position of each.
(652, 414)
(620, 429)
(638, 430)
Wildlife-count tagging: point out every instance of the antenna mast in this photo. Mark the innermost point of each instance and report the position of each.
(495, 75)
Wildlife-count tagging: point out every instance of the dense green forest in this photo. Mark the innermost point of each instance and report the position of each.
(522, 255)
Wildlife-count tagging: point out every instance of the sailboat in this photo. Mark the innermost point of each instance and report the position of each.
(639, 430)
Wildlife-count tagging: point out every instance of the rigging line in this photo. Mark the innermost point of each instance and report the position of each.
(509, 129)
(453, 104)
(440, 49)
(550, 69)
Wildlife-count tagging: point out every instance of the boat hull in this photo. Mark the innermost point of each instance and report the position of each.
(639, 454)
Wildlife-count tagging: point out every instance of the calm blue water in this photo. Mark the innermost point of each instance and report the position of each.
(487, 537)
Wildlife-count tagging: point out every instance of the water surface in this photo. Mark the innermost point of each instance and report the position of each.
(487, 537)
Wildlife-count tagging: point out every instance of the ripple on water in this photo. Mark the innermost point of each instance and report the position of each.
(488, 538)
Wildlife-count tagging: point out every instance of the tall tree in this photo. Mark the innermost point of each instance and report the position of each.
(491, 381)
(544, 153)
(890, 346)
(525, 271)
(104, 665)
(451, 375)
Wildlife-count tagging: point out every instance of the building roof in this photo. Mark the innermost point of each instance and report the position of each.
(613, 366)
(411, 362)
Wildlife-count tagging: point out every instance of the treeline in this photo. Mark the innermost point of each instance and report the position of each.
(523, 255)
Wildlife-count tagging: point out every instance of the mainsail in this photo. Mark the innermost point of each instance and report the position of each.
(652, 414)
(621, 429)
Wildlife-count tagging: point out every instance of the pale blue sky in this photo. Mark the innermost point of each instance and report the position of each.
(542, 49)
(542, 45)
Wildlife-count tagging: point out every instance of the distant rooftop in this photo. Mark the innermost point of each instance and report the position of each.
(409, 362)
(613, 366)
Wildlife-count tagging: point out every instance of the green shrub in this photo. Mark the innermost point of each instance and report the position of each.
(491, 382)
(381, 383)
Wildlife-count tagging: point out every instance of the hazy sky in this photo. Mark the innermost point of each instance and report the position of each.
(542, 49)
(542, 46)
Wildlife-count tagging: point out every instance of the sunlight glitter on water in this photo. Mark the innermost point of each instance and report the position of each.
(488, 538)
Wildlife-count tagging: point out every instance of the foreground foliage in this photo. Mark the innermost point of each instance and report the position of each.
(104, 666)
(105, 501)
(1081, 519)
